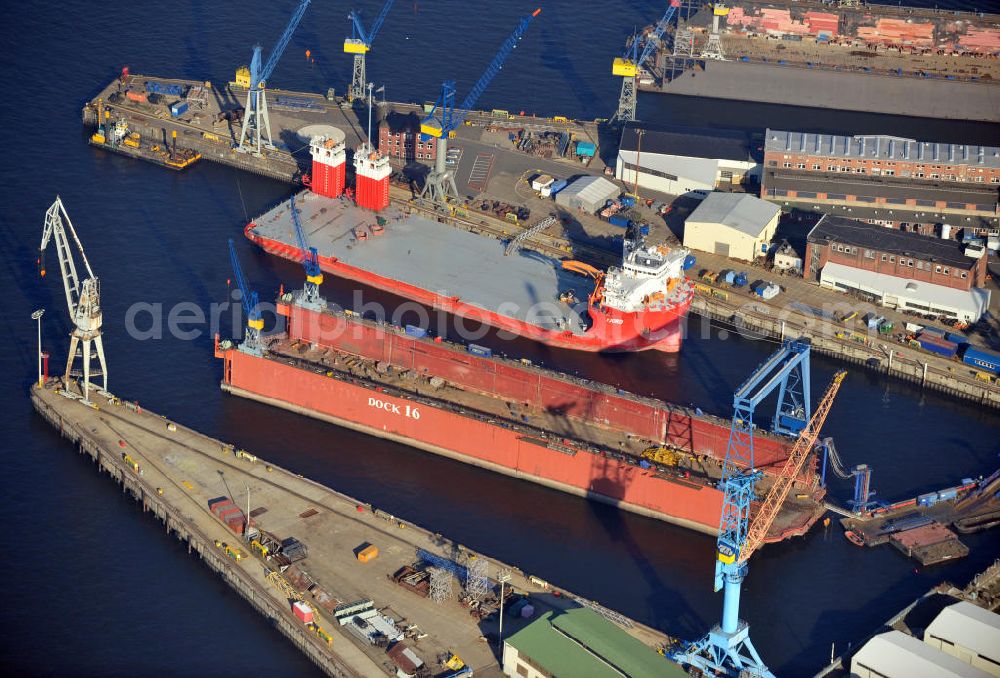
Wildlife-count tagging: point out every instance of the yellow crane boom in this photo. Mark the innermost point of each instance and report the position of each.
(793, 466)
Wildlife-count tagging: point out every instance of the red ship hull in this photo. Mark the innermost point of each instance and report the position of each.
(611, 330)
(473, 441)
(559, 463)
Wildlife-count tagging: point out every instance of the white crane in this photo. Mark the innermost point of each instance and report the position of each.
(82, 297)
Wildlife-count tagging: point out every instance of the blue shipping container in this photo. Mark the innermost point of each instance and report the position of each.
(557, 186)
(616, 220)
(481, 351)
(415, 331)
(928, 499)
(741, 280)
(956, 338)
(586, 148)
(950, 493)
(178, 109)
(937, 345)
(981, 359)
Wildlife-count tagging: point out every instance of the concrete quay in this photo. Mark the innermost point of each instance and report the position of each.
(174, 471)
(757, 319)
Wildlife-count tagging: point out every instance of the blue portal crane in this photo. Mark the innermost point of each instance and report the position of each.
(727, 648)
(255, 323)
(359, 44)
(256, 132)
(444, 119)
(310, 261)
(627, 66)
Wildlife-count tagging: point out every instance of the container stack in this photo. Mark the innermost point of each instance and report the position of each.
(229, 513)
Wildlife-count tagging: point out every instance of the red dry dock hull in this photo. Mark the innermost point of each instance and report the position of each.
(544, 390)
(472, 441)
(611, 330)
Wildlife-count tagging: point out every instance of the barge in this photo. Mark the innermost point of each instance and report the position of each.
(636, 306)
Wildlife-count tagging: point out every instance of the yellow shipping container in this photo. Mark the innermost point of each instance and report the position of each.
(368, 553)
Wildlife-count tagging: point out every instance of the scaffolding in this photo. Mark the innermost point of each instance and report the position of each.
(477, 580)
(440, 584)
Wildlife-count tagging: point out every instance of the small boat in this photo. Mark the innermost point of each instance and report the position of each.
(854, 538)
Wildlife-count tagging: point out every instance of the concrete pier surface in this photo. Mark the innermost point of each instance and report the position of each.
(174, 471)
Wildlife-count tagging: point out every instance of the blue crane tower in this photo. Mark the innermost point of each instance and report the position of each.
(255, 323)
(256, 132)
(627, 66)
(310, 261)
(359, 44)
(443, 119)
(727, 649)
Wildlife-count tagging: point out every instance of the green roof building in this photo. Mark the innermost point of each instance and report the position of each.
(579, 643)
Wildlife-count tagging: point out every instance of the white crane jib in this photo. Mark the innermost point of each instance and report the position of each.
(83, 298)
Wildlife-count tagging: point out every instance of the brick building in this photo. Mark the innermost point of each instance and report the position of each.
(910, 184)
(399, 137)
(898, 269)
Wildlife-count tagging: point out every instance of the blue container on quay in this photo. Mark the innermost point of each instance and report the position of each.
(415, 331)
(178, 109)
(481, 351)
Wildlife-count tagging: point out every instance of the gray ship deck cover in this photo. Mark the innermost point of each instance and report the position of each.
(436, 257)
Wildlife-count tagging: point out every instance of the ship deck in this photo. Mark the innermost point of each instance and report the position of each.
(437, 258)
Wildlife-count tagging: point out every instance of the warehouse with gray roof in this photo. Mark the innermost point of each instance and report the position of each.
(675, 160)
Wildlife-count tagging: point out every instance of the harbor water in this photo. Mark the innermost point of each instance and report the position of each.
(95, 587)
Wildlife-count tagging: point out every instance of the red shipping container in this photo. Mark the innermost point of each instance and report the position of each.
(136, 96)
(220, 506)
(236, 524)
(303, 612)
(228, 512)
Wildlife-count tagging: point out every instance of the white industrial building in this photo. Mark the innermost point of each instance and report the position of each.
(907, 294)
(897, 655)
(735, 225)
(684, 160)
(968, 632)
(588, 194)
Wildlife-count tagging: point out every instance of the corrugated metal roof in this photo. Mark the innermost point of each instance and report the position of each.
(896, 654)
(832, 228)
(739, 211)
(579, 642)
(692, 142)
(970, 626)
(881, 147)
(592, 190)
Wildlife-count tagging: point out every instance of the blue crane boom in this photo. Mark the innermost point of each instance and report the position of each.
(255, 323)
(279, 47)
(310, 261)
(449, 121)
(368, 37)
(656, 36)
(256, 126)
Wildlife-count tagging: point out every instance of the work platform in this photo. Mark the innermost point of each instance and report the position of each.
(174, 472)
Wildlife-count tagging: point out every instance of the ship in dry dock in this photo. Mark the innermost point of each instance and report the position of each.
(509, 416)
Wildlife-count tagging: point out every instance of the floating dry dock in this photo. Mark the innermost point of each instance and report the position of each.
(175, 472)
